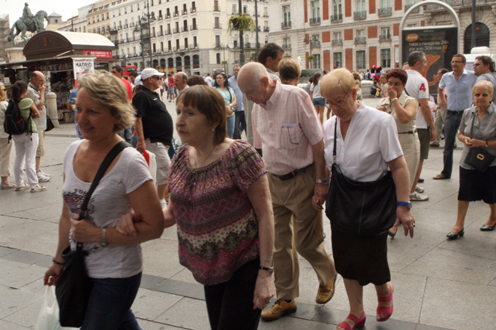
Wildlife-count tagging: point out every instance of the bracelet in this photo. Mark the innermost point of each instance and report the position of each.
(395, 99)
(104, 237)
(58, 263)
(269, 269)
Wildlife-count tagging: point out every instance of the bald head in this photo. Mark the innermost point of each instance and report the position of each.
(37, 79)
(254, 81)
(336, 80)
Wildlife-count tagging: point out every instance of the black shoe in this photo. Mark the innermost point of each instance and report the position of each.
(487, 228)
(420, 180)
(453, 236)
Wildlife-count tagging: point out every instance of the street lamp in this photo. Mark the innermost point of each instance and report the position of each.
(145, 33)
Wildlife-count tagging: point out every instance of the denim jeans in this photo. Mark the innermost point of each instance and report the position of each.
(451, 124)
(110, 303)
(240, 124)
(230, 126)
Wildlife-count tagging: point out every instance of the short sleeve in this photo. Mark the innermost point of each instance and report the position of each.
(442, 83)
(140, 104)
(138, 172)
(424, 89)
(248, 166)
(388, 141)
(463, 123)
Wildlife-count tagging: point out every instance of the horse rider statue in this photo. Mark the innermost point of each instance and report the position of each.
(28, 22)
(28, 18)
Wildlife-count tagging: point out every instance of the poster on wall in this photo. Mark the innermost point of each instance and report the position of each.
(439, 46)
(82, 66)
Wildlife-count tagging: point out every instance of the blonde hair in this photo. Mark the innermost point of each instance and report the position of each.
(3, 94)
(484, 83)
(289, 69)
(338, 78)
(109, 91)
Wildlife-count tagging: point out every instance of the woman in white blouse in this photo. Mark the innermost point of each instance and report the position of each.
(367, 148)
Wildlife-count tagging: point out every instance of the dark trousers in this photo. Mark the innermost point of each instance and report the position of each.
(451, 124)
(239, 124)
(230, 304)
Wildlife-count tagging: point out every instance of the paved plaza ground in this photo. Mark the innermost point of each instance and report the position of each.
(438, 284)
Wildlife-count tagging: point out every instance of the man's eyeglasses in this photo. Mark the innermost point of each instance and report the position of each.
(397, 84)
(338, 103)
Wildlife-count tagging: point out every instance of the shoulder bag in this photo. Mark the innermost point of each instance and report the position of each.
(73, 287)
(360, 208)
(478, 158)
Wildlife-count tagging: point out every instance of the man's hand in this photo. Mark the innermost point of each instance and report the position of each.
(319, 196)
(141, 147)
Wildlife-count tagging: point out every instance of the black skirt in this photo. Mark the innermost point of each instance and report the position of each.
(361, 258)
(476, 186)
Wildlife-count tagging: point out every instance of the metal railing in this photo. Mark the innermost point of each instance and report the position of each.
(385, 37)
(286, 25)
(337, 42)
(286, 46)
(416, 10)
(360, 40)
(386, 11)
(314, 20)
(336, 18)
(360, 14)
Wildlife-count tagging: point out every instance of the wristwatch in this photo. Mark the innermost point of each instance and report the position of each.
(408, 205)
(395, 99)
(322, 181)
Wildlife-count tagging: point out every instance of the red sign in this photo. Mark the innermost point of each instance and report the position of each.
(98, 53)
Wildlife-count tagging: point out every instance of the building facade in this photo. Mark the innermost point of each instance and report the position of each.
(357, 34)
(4, 33)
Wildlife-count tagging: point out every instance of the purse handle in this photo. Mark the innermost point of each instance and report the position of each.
(472, 129)
(334, 148)
(101, 171)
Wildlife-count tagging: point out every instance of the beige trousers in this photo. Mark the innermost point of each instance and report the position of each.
(298, 229)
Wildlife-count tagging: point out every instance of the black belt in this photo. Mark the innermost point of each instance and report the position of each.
(409, 132)
(291, 174)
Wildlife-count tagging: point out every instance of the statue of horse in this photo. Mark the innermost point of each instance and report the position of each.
(33, 25)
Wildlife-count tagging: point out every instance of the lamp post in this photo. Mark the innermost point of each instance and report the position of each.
(142, 28)
(242, 48)
(142, 43)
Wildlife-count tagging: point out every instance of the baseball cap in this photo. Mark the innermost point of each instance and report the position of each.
(150, 72)
(138, 81)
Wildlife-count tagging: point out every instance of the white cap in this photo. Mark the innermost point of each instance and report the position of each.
(150, 72)
(138, 81)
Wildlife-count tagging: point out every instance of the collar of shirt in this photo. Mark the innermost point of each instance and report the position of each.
(274, 98)
(33, 87)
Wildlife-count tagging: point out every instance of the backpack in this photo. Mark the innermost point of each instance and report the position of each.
(14, 124)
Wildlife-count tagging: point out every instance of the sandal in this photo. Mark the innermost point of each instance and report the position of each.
(359, 322)
(388, 311)
(441, 176)
(8, 185)
(21, 188)
(38, 188)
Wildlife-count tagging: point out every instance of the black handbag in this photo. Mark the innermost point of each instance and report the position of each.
(49, 125)
(360, 208)
(478, 158)
(73, 287)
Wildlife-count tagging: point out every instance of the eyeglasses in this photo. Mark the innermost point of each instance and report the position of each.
(338, 103)
(397, 84)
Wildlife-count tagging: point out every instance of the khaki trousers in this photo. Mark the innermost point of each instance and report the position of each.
(298, 228)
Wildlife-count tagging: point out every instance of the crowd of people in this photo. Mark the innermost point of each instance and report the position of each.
(245, 210)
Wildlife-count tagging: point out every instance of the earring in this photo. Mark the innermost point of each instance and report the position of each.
(213, 129)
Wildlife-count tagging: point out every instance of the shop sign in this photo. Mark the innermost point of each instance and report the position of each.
(82, 66)
(107, 54)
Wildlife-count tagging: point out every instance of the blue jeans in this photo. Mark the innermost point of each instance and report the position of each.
(110, 303)
(451, 124)
(240, 124)
(230, 126)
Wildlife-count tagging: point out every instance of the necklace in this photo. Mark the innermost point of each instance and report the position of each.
(196, 164)
(196, 167)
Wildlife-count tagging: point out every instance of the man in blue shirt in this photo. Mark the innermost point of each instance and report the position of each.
(459, 85)
(240, 121)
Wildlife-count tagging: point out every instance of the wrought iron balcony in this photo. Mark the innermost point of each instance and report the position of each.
(286, 46)
(193, 27)
(314, 20)
(184, 29)
(337, 42)
(360, 40)
(286, 25)
(185, 11)
(386, 11)
(336, 18)
(385, 37)
(315, 44)
(416, 10)
(360, 14)
(218, 26)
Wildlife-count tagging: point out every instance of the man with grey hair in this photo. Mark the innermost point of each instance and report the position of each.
(181, 81)
(287, 129)
(484, 70)
(36, 92)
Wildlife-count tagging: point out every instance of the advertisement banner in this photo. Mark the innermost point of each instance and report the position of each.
(107, 54)
(439, 46)
(81, 67)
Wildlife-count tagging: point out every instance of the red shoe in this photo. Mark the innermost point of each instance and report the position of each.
(359, 322)
(388, 311)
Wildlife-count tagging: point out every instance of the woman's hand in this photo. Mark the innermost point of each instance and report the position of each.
(52, 274)
(125, 225)
(404, 216)
(392, 93)
(85, 232)
(228, 110)
(264, 290)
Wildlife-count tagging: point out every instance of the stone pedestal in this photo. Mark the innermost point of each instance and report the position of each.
(14, 54)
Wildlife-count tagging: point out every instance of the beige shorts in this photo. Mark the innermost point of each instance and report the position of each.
(40, 152)
(162, 158)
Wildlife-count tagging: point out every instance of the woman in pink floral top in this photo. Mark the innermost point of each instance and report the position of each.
(220, 200)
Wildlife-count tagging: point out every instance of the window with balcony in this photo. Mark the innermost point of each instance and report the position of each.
(186, 43)
(360, 37)
(337, 39)
(286, 43)
(410, 3)
(316, 61)
(177, 44)
(169, 45)
(360, 59)
(386, 8)
(385, 34)
(217, 23)
(386, 58)
(193, 26)
(361, 10)
(217, 41)
(195, 42)
(216, 6)
(337, 7)
(338, 60)
(234, 9)
(217, 58)
(315, 19)
(286, 23)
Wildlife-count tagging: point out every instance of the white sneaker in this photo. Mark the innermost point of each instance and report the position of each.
(419, 189)
(45, 174)
(416, 197)
(42, 177)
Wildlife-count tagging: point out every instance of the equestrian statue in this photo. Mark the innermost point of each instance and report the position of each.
(28, 22)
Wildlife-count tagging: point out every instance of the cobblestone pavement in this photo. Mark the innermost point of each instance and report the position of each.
(439, 284)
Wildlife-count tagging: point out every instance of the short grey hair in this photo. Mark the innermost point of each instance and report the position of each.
(415, 57)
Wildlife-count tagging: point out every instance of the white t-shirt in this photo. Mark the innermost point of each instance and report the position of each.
(371, 142)
(316, 91)
(107, 204)
(209, 81)
(417, 87)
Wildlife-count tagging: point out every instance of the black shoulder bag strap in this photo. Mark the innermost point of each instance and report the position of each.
(472, 129)
(334, 148)
(101, 171)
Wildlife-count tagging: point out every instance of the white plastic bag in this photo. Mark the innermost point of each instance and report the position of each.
(152, 163)
(48, 318)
